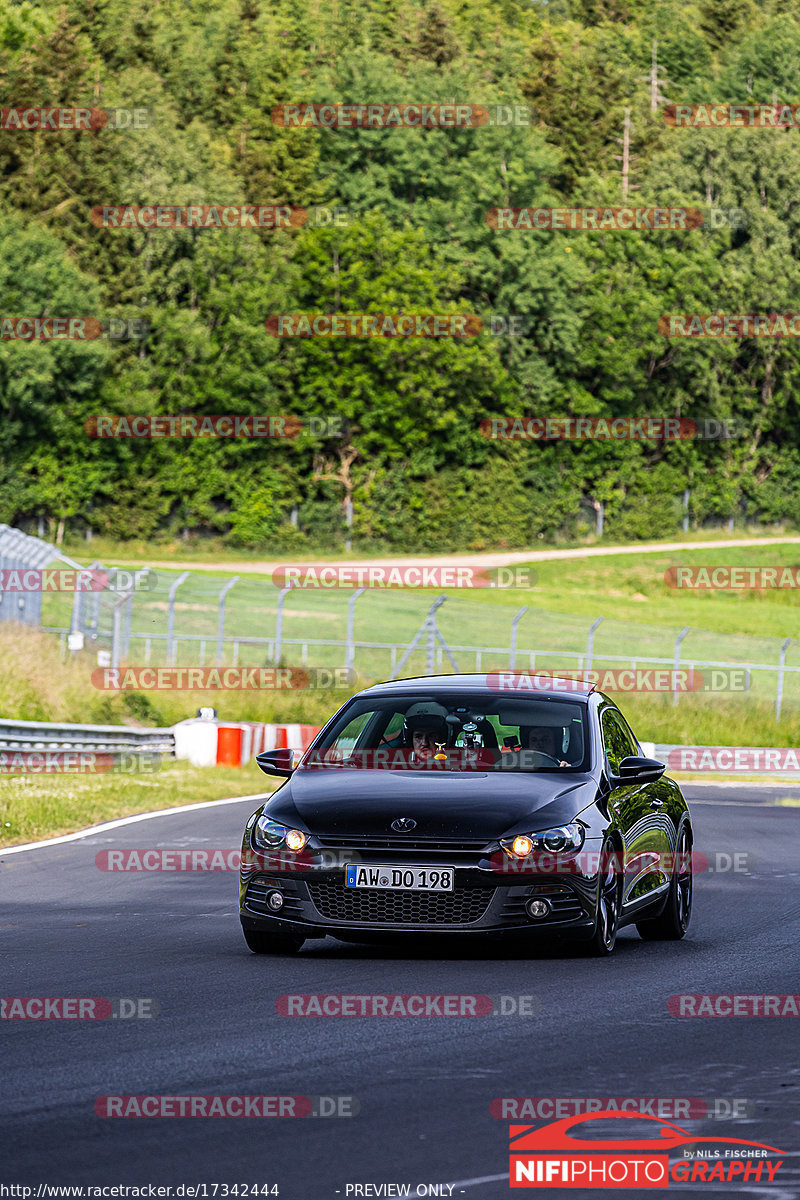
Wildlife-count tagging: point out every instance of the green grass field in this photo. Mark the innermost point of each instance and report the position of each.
(641, 617)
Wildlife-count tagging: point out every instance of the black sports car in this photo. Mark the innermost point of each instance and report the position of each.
(468, 804)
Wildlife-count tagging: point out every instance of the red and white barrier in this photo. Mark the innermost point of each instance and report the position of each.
(233, 743)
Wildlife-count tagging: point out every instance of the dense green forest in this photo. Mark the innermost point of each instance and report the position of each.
(402, 448)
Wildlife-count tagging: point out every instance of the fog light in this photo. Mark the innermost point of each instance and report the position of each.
(537, 908)
(275, 901)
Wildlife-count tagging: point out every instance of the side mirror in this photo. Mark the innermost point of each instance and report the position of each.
(640, 770)
(276, 762)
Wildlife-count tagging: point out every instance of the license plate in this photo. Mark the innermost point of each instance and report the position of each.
(404, 879)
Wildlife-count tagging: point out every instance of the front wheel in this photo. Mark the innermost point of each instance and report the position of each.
(608, 903)
(271, 943)
(673, 922)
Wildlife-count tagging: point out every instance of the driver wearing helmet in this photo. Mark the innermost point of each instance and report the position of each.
(543, 741)
(425, 730)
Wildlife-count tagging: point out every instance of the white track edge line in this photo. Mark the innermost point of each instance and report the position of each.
(116, 824)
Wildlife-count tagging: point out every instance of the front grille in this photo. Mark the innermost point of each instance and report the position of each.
(400, 843)
(463, 906)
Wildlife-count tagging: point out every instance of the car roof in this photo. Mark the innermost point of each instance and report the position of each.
(519, 684)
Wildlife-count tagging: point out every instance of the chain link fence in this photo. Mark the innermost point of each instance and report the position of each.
(154, 618)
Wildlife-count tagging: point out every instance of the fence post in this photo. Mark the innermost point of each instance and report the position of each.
(226, 587)
(512, 648)
(76, 622)
(677, 663)
(116, 627)
(431, 624)
(350, 651)
(590, 646)
(171, 616)
(781, 666)
(128, 623)
(428, 626)
(279, 624)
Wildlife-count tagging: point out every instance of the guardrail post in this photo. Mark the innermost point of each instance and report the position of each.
(676, 663)
(226, 587)
(171, 617)
(590, 645)
(781, 668)
(512, 648)
(350, 650)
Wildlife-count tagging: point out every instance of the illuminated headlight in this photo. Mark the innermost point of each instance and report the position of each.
(563, 839)
(269, 835)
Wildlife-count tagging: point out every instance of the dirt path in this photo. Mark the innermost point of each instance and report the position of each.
(486, 560)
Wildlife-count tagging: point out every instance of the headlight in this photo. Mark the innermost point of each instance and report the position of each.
(269, 835)
(560, 840)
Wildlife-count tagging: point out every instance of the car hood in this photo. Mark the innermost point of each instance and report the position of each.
(339, 801)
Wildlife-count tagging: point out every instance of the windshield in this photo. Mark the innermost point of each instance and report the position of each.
(457, 732)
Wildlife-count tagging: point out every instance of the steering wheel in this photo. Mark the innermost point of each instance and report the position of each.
(543, 755)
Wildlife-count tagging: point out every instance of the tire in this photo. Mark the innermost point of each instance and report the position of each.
(673, 922)
(609, 893)
(271, 943)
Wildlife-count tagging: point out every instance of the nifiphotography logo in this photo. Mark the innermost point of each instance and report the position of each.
(549, 1157)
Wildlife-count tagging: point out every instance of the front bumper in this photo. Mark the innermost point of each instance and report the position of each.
(483, 902)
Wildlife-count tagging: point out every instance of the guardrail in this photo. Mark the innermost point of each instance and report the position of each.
(97, 739)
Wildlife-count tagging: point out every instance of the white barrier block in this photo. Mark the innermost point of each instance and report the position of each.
(196, 740)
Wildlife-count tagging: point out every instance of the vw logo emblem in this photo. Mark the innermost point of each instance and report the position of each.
(404, 824)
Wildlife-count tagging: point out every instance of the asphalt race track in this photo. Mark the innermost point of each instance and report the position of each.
(424, 1084)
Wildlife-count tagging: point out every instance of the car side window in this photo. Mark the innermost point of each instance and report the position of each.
(617, 739)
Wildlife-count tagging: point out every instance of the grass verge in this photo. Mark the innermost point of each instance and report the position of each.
(35, 807)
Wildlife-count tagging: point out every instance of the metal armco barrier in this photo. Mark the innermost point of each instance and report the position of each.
(97, 739)
(199, 741)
